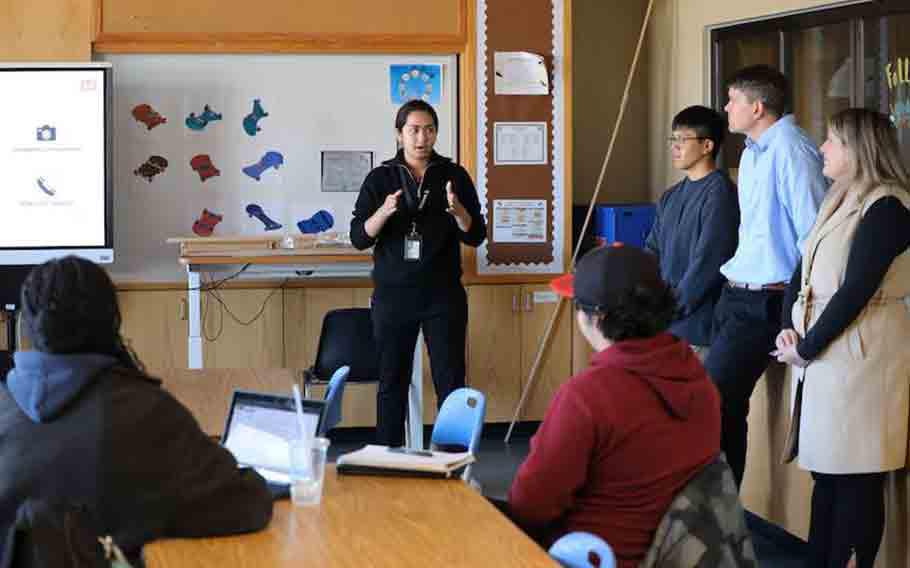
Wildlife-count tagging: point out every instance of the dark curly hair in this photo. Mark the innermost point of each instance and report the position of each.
(69, 305)
(638, 313)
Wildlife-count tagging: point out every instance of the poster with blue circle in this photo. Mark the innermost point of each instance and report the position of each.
(409, 82)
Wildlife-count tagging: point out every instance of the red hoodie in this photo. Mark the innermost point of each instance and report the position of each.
(618, 441)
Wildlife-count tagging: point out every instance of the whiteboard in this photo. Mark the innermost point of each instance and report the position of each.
(315, 103)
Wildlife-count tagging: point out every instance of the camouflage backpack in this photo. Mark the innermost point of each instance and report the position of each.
(705, 526)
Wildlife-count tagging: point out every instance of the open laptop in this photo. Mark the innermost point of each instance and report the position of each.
(258, 429)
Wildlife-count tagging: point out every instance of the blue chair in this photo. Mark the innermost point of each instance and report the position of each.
(582, 550)
(334, 394)
(460, 421)
(459, 424)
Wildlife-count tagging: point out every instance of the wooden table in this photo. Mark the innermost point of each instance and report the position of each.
(369, 521)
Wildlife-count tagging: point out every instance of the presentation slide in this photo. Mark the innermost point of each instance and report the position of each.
(52, 158)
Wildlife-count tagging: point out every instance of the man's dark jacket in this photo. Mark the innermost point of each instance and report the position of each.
(80, 428)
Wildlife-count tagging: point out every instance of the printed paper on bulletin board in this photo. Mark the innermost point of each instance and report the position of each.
(539, 30)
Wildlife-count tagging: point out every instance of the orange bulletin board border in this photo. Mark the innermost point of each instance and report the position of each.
(539, 30)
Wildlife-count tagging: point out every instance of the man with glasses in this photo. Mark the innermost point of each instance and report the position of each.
(780, 188)
(695, 227)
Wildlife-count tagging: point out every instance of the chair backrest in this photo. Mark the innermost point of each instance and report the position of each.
(334, 394)
(347, 339)
(582, 550)
(705, 525)
(460, 420)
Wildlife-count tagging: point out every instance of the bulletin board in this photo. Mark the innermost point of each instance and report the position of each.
(194, 150)
(524, 203)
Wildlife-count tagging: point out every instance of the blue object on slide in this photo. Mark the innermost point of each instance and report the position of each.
(255, 210)
(322, 220)
(209, 115)
(197, 123)
(582, 550)
(194, 122)
(269, 160)
(251, 121)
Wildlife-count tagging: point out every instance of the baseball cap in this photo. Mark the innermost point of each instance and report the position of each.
(605, 274)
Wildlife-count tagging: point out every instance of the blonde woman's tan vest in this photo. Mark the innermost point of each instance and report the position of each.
(856, 393)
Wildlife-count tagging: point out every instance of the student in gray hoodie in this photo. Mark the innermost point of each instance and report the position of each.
(81, 422)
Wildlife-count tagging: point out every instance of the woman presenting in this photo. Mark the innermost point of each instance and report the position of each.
(416, 210)
(848, 339)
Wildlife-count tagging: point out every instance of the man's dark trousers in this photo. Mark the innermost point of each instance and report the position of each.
(746, 324)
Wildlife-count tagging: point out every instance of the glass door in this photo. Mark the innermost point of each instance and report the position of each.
(887, 84)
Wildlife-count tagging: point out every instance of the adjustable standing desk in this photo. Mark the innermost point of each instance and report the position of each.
(199, 255)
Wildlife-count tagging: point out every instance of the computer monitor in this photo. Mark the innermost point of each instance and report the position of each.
(56, 158)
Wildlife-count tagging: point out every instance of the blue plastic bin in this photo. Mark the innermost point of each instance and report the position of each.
(628, 224)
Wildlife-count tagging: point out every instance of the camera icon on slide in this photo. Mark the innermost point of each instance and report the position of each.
(46, 133)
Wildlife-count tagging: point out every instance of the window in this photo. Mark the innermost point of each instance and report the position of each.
(857, 55)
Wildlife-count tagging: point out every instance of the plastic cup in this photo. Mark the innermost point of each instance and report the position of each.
(307, 458)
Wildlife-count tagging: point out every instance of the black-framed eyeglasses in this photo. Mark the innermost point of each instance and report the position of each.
(680, 140)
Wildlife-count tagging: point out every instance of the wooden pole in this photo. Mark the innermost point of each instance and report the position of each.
(603, 170)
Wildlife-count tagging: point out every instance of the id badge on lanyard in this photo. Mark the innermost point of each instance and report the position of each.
(412, 245)
(412, 241)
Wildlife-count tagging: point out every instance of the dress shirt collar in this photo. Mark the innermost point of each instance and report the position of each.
(768, 136)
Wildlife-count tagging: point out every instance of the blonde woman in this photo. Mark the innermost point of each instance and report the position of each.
(847, 338)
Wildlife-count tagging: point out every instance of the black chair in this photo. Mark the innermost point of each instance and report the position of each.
(346, 339)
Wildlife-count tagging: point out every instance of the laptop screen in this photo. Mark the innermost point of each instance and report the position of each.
(259, 428)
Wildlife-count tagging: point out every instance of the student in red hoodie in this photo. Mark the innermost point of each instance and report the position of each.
(622, 437)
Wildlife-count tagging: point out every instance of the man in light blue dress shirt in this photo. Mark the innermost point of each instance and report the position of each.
(780, 188)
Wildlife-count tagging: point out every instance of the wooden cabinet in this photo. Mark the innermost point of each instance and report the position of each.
(494, 347)
(538, 304)
(506, 324)
(155, 326)
(279, 26)
(243, 329)
(46, 30)
(505, 327)
(337, 19)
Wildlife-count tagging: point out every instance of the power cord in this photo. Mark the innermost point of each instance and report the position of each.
(211, 289)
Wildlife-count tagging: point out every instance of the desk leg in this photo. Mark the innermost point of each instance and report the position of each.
(415, 399)
(194, 323)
